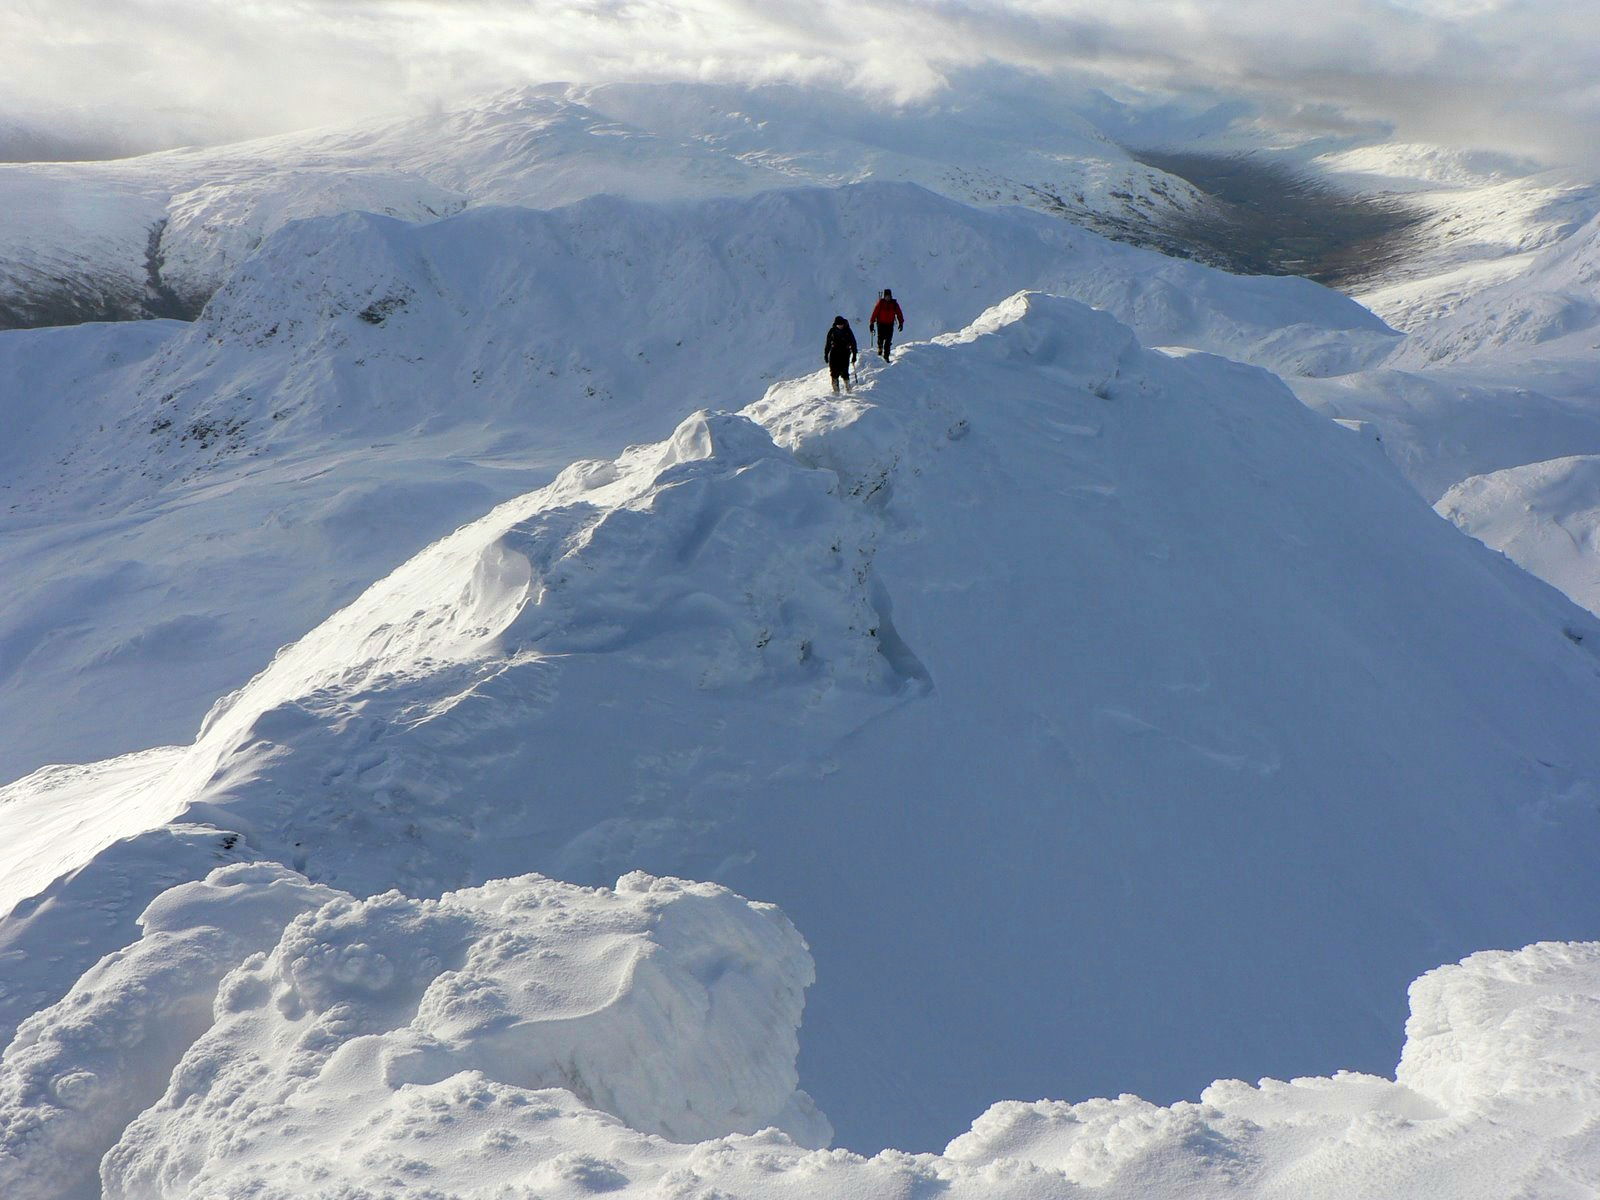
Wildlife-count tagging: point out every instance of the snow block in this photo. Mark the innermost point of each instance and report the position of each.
(671, 1005)
(1511, 1036)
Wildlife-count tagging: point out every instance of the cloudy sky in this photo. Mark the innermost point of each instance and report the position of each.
(1518, 75)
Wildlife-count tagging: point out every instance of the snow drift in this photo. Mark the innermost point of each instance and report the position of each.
(1044, 680)
(78, 1072)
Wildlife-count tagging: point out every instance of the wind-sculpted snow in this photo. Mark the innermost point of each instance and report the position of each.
(1497, 1095)
(671, 1006)
(1510, 1036)
(531, 1038)
(1045, 680)
(364, 386)
(79, 1071)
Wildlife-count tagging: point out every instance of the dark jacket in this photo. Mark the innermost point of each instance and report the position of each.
(840, 348)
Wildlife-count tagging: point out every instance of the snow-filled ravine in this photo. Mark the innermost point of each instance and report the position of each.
(1107, 719)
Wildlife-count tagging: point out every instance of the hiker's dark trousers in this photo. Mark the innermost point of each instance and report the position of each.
(885, 333)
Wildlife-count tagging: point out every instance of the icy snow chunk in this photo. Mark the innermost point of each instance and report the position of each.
(1092, 1143)
(724, 435)
(671, 1005)
(719, 532)
(1054, 330)
(1506, 1032)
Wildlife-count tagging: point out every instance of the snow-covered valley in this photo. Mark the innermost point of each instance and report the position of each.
(1106, 717)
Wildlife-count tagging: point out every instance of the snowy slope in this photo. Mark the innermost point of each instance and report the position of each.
(1494, 257)
(1441, 427)
(1545, 516)
(1472, 237)
(180, 501)
(1551, 308)
(159, 233)
(1491, 403)
(1107, 719)
(1417, 167)
(1045, 680)
(76, 244)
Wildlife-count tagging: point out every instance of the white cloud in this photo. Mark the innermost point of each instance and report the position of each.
(1507, 74)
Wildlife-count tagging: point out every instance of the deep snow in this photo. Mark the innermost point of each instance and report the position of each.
(1043, 680)
(1107, 718)
(489, 1044)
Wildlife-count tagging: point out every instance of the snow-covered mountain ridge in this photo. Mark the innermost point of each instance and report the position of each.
(743, 653)
(364, 385)
(156, 235)
(1108, 718)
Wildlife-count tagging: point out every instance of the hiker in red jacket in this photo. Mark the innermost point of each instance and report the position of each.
(884, 316)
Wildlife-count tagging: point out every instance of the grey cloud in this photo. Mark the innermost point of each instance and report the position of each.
(1504, 74)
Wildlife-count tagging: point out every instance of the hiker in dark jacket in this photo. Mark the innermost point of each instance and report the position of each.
(839, 351)
(884, 316)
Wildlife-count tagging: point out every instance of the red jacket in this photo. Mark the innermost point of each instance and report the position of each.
(887, 312)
